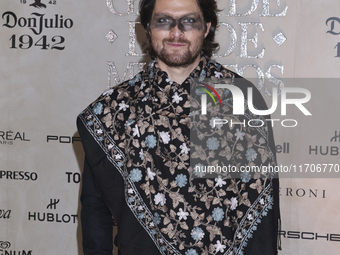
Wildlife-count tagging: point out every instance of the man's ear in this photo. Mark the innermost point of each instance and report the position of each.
(207, 29)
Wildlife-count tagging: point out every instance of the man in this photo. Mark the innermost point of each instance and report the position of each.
(136, 138)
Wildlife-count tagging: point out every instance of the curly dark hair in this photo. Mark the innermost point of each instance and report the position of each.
(209, 10)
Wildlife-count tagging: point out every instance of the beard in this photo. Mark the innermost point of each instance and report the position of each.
(175, 58)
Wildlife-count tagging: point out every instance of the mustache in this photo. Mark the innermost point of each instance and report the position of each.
(178, 40)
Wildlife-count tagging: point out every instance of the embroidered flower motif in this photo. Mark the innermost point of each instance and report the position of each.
(141, 216)
(181, 180)
(108, 92)
(239, 235)
(197, 234)
(251, 154)
(157, 218)
(123, 106)
(135, 175)
(219, 247)
(218, 74)
(169, 80)
(146, 97)
(200, 92)
(218, 214)
(245, 176)
(219, 181)
(250, 217)
(182, 215)
(213, 143)
(128, 123)
(151, 175)
(191, 252)
(160, 199)
(141, 154)
(150, 141)
(98, 108)
(203, 74)
(118, 156)
(165, 137)
(233, 203)
(176, 98)
(100, 131)
(132, 82)
(270, 199)
(135, 79)
(239, 135)
(135, 131)
(184, 148)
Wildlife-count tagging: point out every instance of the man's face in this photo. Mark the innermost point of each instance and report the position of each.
(177, 31)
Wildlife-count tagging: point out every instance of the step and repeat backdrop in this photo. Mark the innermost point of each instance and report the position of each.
(57, 56)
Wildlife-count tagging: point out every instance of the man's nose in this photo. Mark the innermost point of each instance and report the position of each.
(176, 30)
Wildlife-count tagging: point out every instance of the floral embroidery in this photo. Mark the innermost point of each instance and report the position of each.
(136, 175)
(181, 180)
(160, 199)
(213, 143)
(182, 215)
(191, 252)
(144, 126)
(98, 108)
(219, 247)
(150, 141)
(197, 234)
(251, 154)
(165, 137)
(218, 214)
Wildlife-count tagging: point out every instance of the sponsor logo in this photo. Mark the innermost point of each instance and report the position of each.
(63, 139)
(73, 177)
(309, 236)
(52, 217)
(10, 137)
(282, 148)
(5, 214)
(5, 249)
(38, 4)
(18, 175)
(334, 29)
(302, 192)
(37, 24)
(326, 150)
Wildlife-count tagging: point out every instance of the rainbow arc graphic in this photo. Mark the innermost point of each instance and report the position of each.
(210, 94)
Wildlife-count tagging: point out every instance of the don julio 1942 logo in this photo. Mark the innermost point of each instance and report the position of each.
(37, 23)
